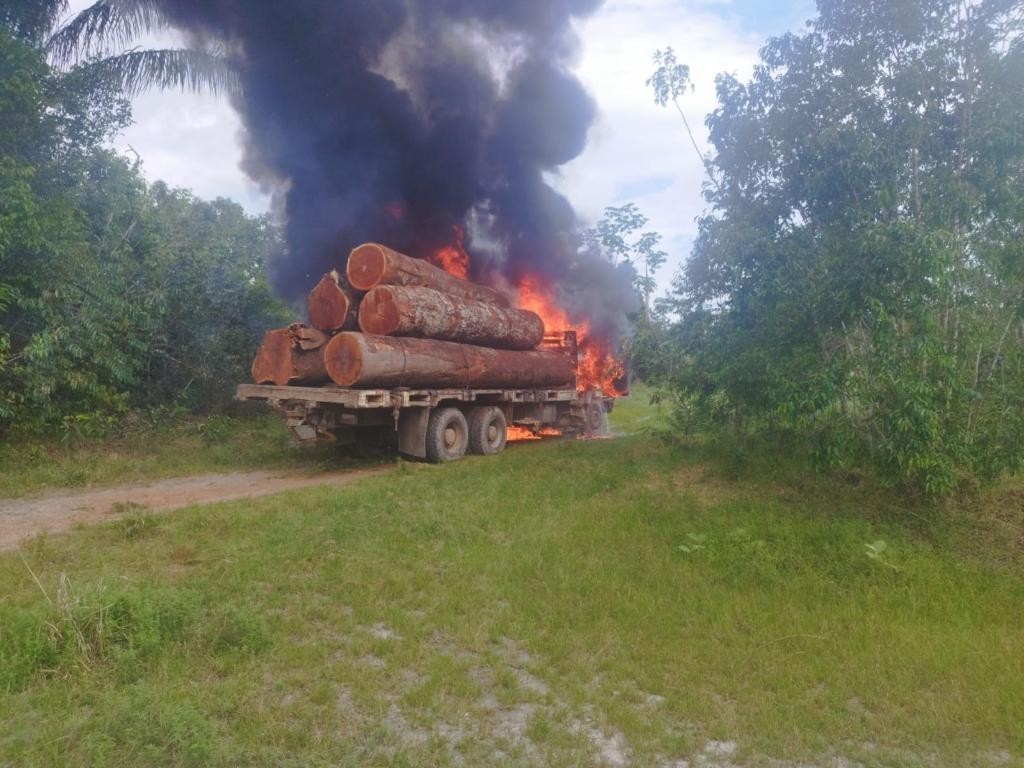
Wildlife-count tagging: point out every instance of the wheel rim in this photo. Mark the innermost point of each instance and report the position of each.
(451, 437)
(492, 433)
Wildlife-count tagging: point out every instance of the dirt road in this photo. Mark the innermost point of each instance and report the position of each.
(58, 512)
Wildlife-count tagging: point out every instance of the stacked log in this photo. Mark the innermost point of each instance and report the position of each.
(373, 264)
(364, 360)
(421, 327)
(333, 305)
(396, 310)
(282, 361)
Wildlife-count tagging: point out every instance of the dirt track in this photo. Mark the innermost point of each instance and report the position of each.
(55, 513)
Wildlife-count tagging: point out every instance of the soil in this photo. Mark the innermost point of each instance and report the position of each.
(23, 518)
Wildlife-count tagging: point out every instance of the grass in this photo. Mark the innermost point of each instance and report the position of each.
(565, 603)
(148, 452)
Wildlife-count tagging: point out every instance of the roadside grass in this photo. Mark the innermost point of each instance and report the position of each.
(565, 603)
(150, 451)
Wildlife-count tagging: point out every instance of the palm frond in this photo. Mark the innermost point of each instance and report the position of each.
(139, 70)
(104, 25)
(32, 21)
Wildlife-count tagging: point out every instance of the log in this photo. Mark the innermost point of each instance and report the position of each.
(281, 361)
(402, 310)
(372, 264)
(333, 305)
(307, 338)
(363, 360)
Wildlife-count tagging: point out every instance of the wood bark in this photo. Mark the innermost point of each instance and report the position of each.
(281, 361)
(333, 305)
(364, 360)
(397, 310)
(372, 264)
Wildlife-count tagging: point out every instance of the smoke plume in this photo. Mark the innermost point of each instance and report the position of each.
(399, 120)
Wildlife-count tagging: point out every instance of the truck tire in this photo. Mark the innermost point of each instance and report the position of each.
(595, 418)
(447, 435)
(487, 430)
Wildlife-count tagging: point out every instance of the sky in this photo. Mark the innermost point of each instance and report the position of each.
(637, 152)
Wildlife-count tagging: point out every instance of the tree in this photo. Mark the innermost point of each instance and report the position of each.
(113, 293)
(614, 237)
(669, 81)
(860, 278)
(101, 36)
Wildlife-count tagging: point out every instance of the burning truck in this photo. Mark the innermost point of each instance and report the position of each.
(403, 350)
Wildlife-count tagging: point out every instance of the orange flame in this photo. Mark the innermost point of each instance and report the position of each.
(453, 259)
(517, 434)
(598, 368)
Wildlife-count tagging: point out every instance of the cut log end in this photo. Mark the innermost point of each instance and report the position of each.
(329, 304)
(378, 313)
(281, 361)
(344, 359)
(366, 266)
(273, 359)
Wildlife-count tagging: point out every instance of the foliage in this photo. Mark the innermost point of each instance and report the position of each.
(113, 293)
(615, 235)
(100, 37)
(859, 281)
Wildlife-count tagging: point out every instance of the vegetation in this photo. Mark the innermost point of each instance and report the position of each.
(563, 603)
(114, 294)
(857, 288)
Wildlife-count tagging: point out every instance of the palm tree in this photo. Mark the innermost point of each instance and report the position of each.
(99, 37)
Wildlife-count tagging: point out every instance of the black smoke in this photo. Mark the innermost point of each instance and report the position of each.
(398, 120)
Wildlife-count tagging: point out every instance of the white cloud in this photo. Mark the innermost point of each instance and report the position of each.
(639, 152)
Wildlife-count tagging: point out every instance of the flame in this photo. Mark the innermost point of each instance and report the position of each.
(516, 433)
(453, 259)
(598, 368)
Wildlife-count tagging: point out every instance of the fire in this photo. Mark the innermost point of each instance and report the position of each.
(598, 368)
(516, 433)
(453, 259)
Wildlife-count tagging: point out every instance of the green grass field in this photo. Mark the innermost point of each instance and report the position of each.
(618, 602)
(144, 452)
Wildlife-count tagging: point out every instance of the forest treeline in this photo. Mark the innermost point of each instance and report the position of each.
(114, 294)
(857, 285)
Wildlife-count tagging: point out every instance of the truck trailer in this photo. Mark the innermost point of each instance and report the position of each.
(436, 425)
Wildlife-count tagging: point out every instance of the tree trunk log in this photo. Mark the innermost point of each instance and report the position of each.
(371, 264)
(396, 310)
(281, 361)
(333, 305)
(361, 360)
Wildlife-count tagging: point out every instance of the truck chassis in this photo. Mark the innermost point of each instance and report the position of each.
(432, 424)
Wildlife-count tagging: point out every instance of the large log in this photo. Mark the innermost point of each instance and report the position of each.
(281, 361)
(363, 360)
(402, 310)
(333, 305)
(372, 264)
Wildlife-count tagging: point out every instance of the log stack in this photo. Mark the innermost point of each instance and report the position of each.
(395, 321)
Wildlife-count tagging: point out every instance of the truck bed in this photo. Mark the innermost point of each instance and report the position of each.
(396, 398)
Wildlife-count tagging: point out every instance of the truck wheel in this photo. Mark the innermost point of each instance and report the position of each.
(487, 430)
(447, 435)
(596, 418)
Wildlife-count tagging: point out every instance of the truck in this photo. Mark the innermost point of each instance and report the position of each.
(436, 425)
